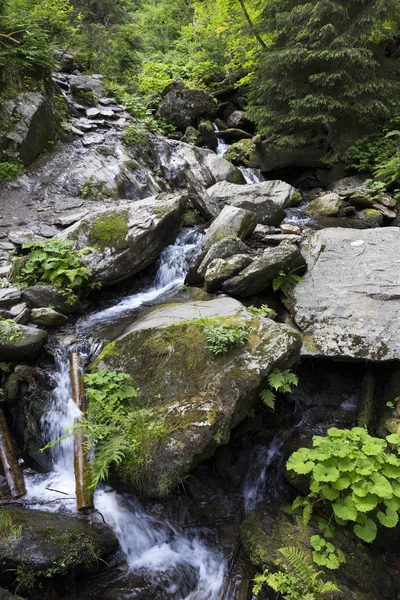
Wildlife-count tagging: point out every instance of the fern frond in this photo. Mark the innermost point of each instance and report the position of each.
(307, 513)
(298, 561)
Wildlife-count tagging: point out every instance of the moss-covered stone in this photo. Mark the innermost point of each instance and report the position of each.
(240, 152)
(109, 230)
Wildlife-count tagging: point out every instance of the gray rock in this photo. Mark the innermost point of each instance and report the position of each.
(17, 309)
(9, 296)
(371, 217)
(92, 113)
(200, 396)
(232, 221)
(43, 296)
(24, 317)
(77, 131)
(268, 160)
(348, 303)
(238, 120)
(128, 238)
(93, 138)
(108, 113)
(259, 275)
(274, 239)
(86, 89)
(183, 107)
(70, 218)
(64, 61)
(22, 236)
(352, 183)
(232, 135)
(223, 249)
(387, 212)
(266, 199)
(107, 101)
(219, 270)
(6, 246)
(47, 317)
(26, 344)
(327, 205)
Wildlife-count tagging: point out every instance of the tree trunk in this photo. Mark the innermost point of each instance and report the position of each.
(12, 471)
(252, 26)
(84, 498)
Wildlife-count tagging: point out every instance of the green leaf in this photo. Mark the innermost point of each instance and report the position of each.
(322, 473)
(269, 398)
(345, 509)
(391, 471)
(329, 493)
(381, 487)
(390, 519)
(366, 532)
(341, 484)
(327, 529)
(299, 463)
(366, 503)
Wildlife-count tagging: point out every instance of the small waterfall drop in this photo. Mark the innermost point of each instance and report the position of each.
(254, 488)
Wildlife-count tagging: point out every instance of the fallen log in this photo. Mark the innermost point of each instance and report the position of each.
(12, 470)
(84, 498)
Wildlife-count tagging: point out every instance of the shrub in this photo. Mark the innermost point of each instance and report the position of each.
(9, 331)
(284, 281)
(9, 170)
(221, 337)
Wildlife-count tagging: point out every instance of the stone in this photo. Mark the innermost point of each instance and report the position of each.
(128, 237)
(388, 201)
(353, 183)
(43, 296)
(259, 275)
(231, 221)
(9, 296)
(22, 236)
(327, 205)
(93, 138)
(202, 201)
(24, 317)
(267, 199)
(6, 246)
(288, 229)
(64, 61)
(86, 89)
(200, 397)
(387, 213)
(219, 270)
(183, 107)
(223, 249)
(47, 317)
(92, 113)
(231, 135)
(238, 120)
(266, 159)
(274, 239)
(371, 217)
(17, 309)
(348, 302)
(77, 131)
(70, 218)
(107, 101)
(54, 545)
(108, 113)
(358, 198)
(26, 344)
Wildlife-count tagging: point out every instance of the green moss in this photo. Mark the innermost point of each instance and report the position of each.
(109, 230)
(239, 152)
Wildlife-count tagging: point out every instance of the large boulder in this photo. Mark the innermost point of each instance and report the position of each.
(223, 249)
(270, 527)
(42, 295)
(219, 270)
(128, 238)
(182, 164)
(327, 205)
(51, 545)
(268, 159)
(266, 199)
(183, 107)
(200, 396)
(86, 89)
(348, 303)
(259, 275)
(23, 343)
(231, 221)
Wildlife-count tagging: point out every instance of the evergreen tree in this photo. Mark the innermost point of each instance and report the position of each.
(325, 73)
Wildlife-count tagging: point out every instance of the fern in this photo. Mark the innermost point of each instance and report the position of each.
(280, 381)
(284, 281)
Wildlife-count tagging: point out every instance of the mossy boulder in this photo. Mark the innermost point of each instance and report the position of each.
(23, 343)
(327, 205)
(231, 221)
(128, 238)
(270, 526)
(38, 545)
(199, 396)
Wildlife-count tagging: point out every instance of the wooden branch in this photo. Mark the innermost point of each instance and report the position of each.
(8, 36)
(12, 470)
(84, 498)
(252, 26)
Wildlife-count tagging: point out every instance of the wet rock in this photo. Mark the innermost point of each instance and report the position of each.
(43, 296)
(207, 137)
(53, 545)
(129, 237)
(222, 249)
(9, 296)
(267, 199)
(231, 135)
(64, 61)
(47, 317)
(93, 138)
(371, 217)
(347, 304)
(92, 113)
(327, 205)
(258, 276)
(200, 396)
(183, 107)
(77, 131)
(364, 576)
(232, 221)
(219, 270)
(25, 344)
(203, 202)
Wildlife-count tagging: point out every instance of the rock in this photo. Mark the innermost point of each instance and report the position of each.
(33, 124)
(267, 199)
(232, 221)
(347, 304)
(327, 205)
(24, 317)
(92, 113)
(353, 183)
(86, 89)
(191, 135)
(231, 135)
(288, 229)
(181, 163)
(43, 296)
(107, 101)
(203, 202)
(259, 275)
(128, 238)
(9, 296)
(275, 239)
(268, 160)
(17, 309)
(77, 131)
(238, 120)
(371, 217)
(22, 236)
(93, 138)
(389, 214)
(334, 222)
(207, 137)
(64, 61)
(201, 397)
(5, 595)
(271, 526)
(223, 249)
(26, 344)
(70, 218)
(53, 545)
(183, 107)
(47, 317)
(388, 201)
(358, 198)
(219, 270)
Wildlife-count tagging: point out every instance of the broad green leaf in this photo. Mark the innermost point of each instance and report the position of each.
(366, 532)
(381, 487)
(390, 519)
(341, 484)
(345, 509)
(327, 529)
(367, 503)
(391, 471)
(329, 493)
(327, 474)
(299, 462)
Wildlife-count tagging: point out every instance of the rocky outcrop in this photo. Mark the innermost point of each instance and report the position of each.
(222, 249)
(327, 205)
(23, 343)
(267, 160)
(47, 317)
(129, 237)
(183, 107)
(348, 304)
(267, 199)
(199, 396)
(219, 270)
(231, 221)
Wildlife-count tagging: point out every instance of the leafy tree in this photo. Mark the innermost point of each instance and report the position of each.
(325, 71)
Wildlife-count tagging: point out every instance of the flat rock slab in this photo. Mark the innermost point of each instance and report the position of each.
(348, 305)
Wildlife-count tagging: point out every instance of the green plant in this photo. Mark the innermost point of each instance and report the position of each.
(10, 170)
(91, 189)
(278, 381)
(9, 331)
(54, 262)
(263, 311)
(8, 531)
(296, 579)
(221, 337)
(353, 475)
(284, 281)
(325, 553)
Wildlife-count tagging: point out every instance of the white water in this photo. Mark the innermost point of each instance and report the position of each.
(254, 488)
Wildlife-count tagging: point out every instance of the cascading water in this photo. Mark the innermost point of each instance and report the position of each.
(251, 176)
(254, 488)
